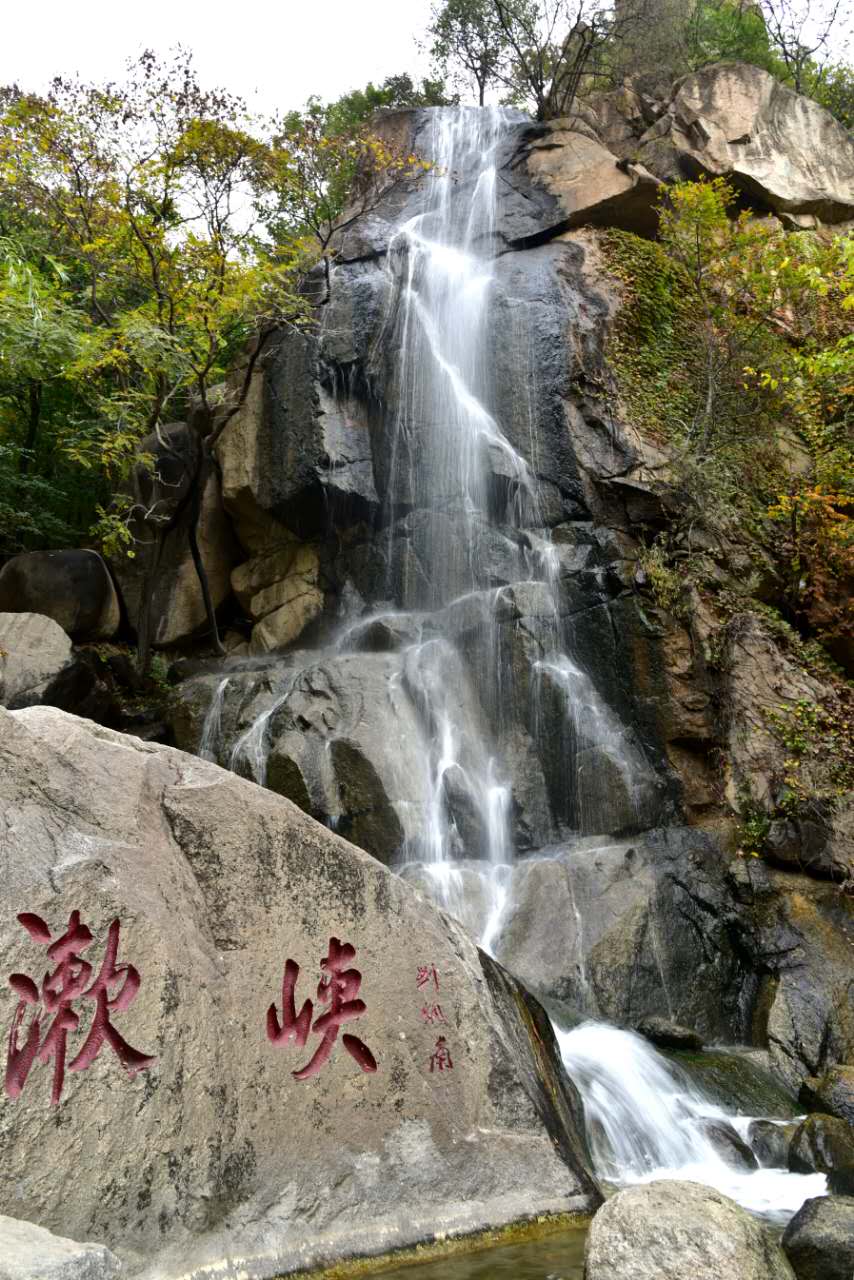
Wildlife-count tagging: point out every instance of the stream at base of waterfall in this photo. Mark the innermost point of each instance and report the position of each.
(453, 685)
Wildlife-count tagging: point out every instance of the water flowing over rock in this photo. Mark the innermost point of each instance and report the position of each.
(213, 1154)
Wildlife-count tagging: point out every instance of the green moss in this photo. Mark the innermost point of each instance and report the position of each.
(655, 340)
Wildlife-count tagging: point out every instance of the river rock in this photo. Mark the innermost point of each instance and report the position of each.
(34, 650)
(738, 122)
(729, 1145)
(209, 1150)
(824, 1144)
(819, 1239)
(770, 1142)
(669, 1035)
(72, 587)
(672, 1230)
(833, 1093)
(28, 1252)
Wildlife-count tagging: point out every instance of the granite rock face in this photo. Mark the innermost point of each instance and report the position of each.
(672, 1230)
(736, 121)
(72, 587)
(210, 1152)
(28, 1252)
(34, 651)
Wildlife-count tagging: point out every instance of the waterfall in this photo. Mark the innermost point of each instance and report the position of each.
(209, 741)
(645, 1121)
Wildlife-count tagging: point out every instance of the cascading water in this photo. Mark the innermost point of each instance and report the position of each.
(645, 1120)
(468, 680)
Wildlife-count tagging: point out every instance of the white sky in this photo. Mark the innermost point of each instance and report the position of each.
(273, 52)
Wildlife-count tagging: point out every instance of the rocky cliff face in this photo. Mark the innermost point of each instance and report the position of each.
(689, 696)
(627, 751)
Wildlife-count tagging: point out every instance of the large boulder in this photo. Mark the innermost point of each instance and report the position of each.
(28, 1252)
(584, 184)
(825, 1144)
(164, 571)
(672, 1230)
(439, 1110)
(833, 1092)
(738, 122)
(72, 587)
(819, 1240)
(34, 651)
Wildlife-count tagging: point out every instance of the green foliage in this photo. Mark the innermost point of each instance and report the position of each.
(653, 348)
(132, 269)
(733, 347)
(819, 740)
(834, 90)
(728, 31)
(753, 828)
(468, 43)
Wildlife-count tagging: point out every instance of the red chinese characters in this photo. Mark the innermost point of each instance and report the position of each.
(68, 982)
(432, 1013)
(339, 988)
(427, 976)
(440, 1058)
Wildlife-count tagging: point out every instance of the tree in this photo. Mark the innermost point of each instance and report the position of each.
(160, 232)
(468, 37)
(556, 47)
(801, 33)
(143, 192)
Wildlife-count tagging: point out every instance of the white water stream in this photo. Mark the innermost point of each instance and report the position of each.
(451, 460)
(646, 1120)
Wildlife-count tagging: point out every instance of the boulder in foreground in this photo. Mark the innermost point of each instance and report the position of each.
(28, 1252)
(676, 1230)
(819, 1240)
(208, 910)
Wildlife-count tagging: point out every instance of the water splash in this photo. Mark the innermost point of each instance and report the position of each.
(645, 1121)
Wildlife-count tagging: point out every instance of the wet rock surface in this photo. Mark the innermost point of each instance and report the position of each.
(819, 1240)
(825, 1144)
(213, 1152)
(770, 1142)
(833, 1093)
(671, 1230)
(668, 1035)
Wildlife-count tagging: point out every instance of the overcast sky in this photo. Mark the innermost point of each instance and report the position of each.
(275, 54)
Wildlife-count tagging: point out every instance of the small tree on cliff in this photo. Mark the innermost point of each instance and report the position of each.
(467, 38)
